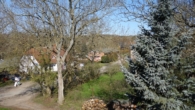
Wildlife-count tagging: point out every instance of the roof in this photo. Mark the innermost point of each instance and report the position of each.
(97, 53)
(44, 54)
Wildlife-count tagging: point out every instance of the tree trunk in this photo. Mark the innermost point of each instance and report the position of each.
(60, 84)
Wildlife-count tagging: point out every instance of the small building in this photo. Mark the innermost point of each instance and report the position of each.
(28, 63)
(1, 61)
(95, 56)
(37, 58)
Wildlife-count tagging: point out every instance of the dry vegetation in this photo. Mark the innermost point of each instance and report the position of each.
(105, 43)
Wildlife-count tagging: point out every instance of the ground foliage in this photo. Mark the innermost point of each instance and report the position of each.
(157, 53)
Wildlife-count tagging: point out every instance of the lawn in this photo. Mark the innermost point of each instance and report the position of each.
(107, 87)
(2, 84)
(2, 108)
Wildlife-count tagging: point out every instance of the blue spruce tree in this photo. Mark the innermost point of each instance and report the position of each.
(157, 51)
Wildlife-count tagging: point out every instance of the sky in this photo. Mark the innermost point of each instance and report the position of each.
(119, 26)
(125, 28)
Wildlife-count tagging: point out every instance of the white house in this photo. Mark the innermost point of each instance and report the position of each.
(35, 57)
(28, 63)
(95, 56)
(1, 61)
(54, 67)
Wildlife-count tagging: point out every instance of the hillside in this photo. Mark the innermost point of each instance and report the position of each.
(105, 43)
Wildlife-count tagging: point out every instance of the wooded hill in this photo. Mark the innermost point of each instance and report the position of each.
(16, 44)
(104, 43)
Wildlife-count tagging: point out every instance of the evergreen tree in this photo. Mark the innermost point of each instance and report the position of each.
(157, 52)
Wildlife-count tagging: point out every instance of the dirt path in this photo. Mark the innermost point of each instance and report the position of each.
(103, 69)
(20, 97)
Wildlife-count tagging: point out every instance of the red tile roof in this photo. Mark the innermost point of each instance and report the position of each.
(97, 55)
(42, 54)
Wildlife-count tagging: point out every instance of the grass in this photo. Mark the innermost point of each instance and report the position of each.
(9, 108)
(2, 84)
(48, 102)
(95, 64)
(106, 87)
(109, 87)
(2, 108)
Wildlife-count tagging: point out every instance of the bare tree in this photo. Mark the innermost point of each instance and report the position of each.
(61, 21)
(135, 9)
(6, 17)
(139, 10)
(185, 21)
(185, 13)
(13, 43)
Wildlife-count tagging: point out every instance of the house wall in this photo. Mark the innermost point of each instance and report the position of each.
(41, 53)
(97, 56)
(54, 67)
(28, 63)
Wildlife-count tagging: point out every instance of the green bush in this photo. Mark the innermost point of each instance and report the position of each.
(75, 77)
(105, 59)
(109, 57)
(47, 81)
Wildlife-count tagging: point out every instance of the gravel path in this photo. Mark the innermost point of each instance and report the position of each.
(103, 69)
(21, 97)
